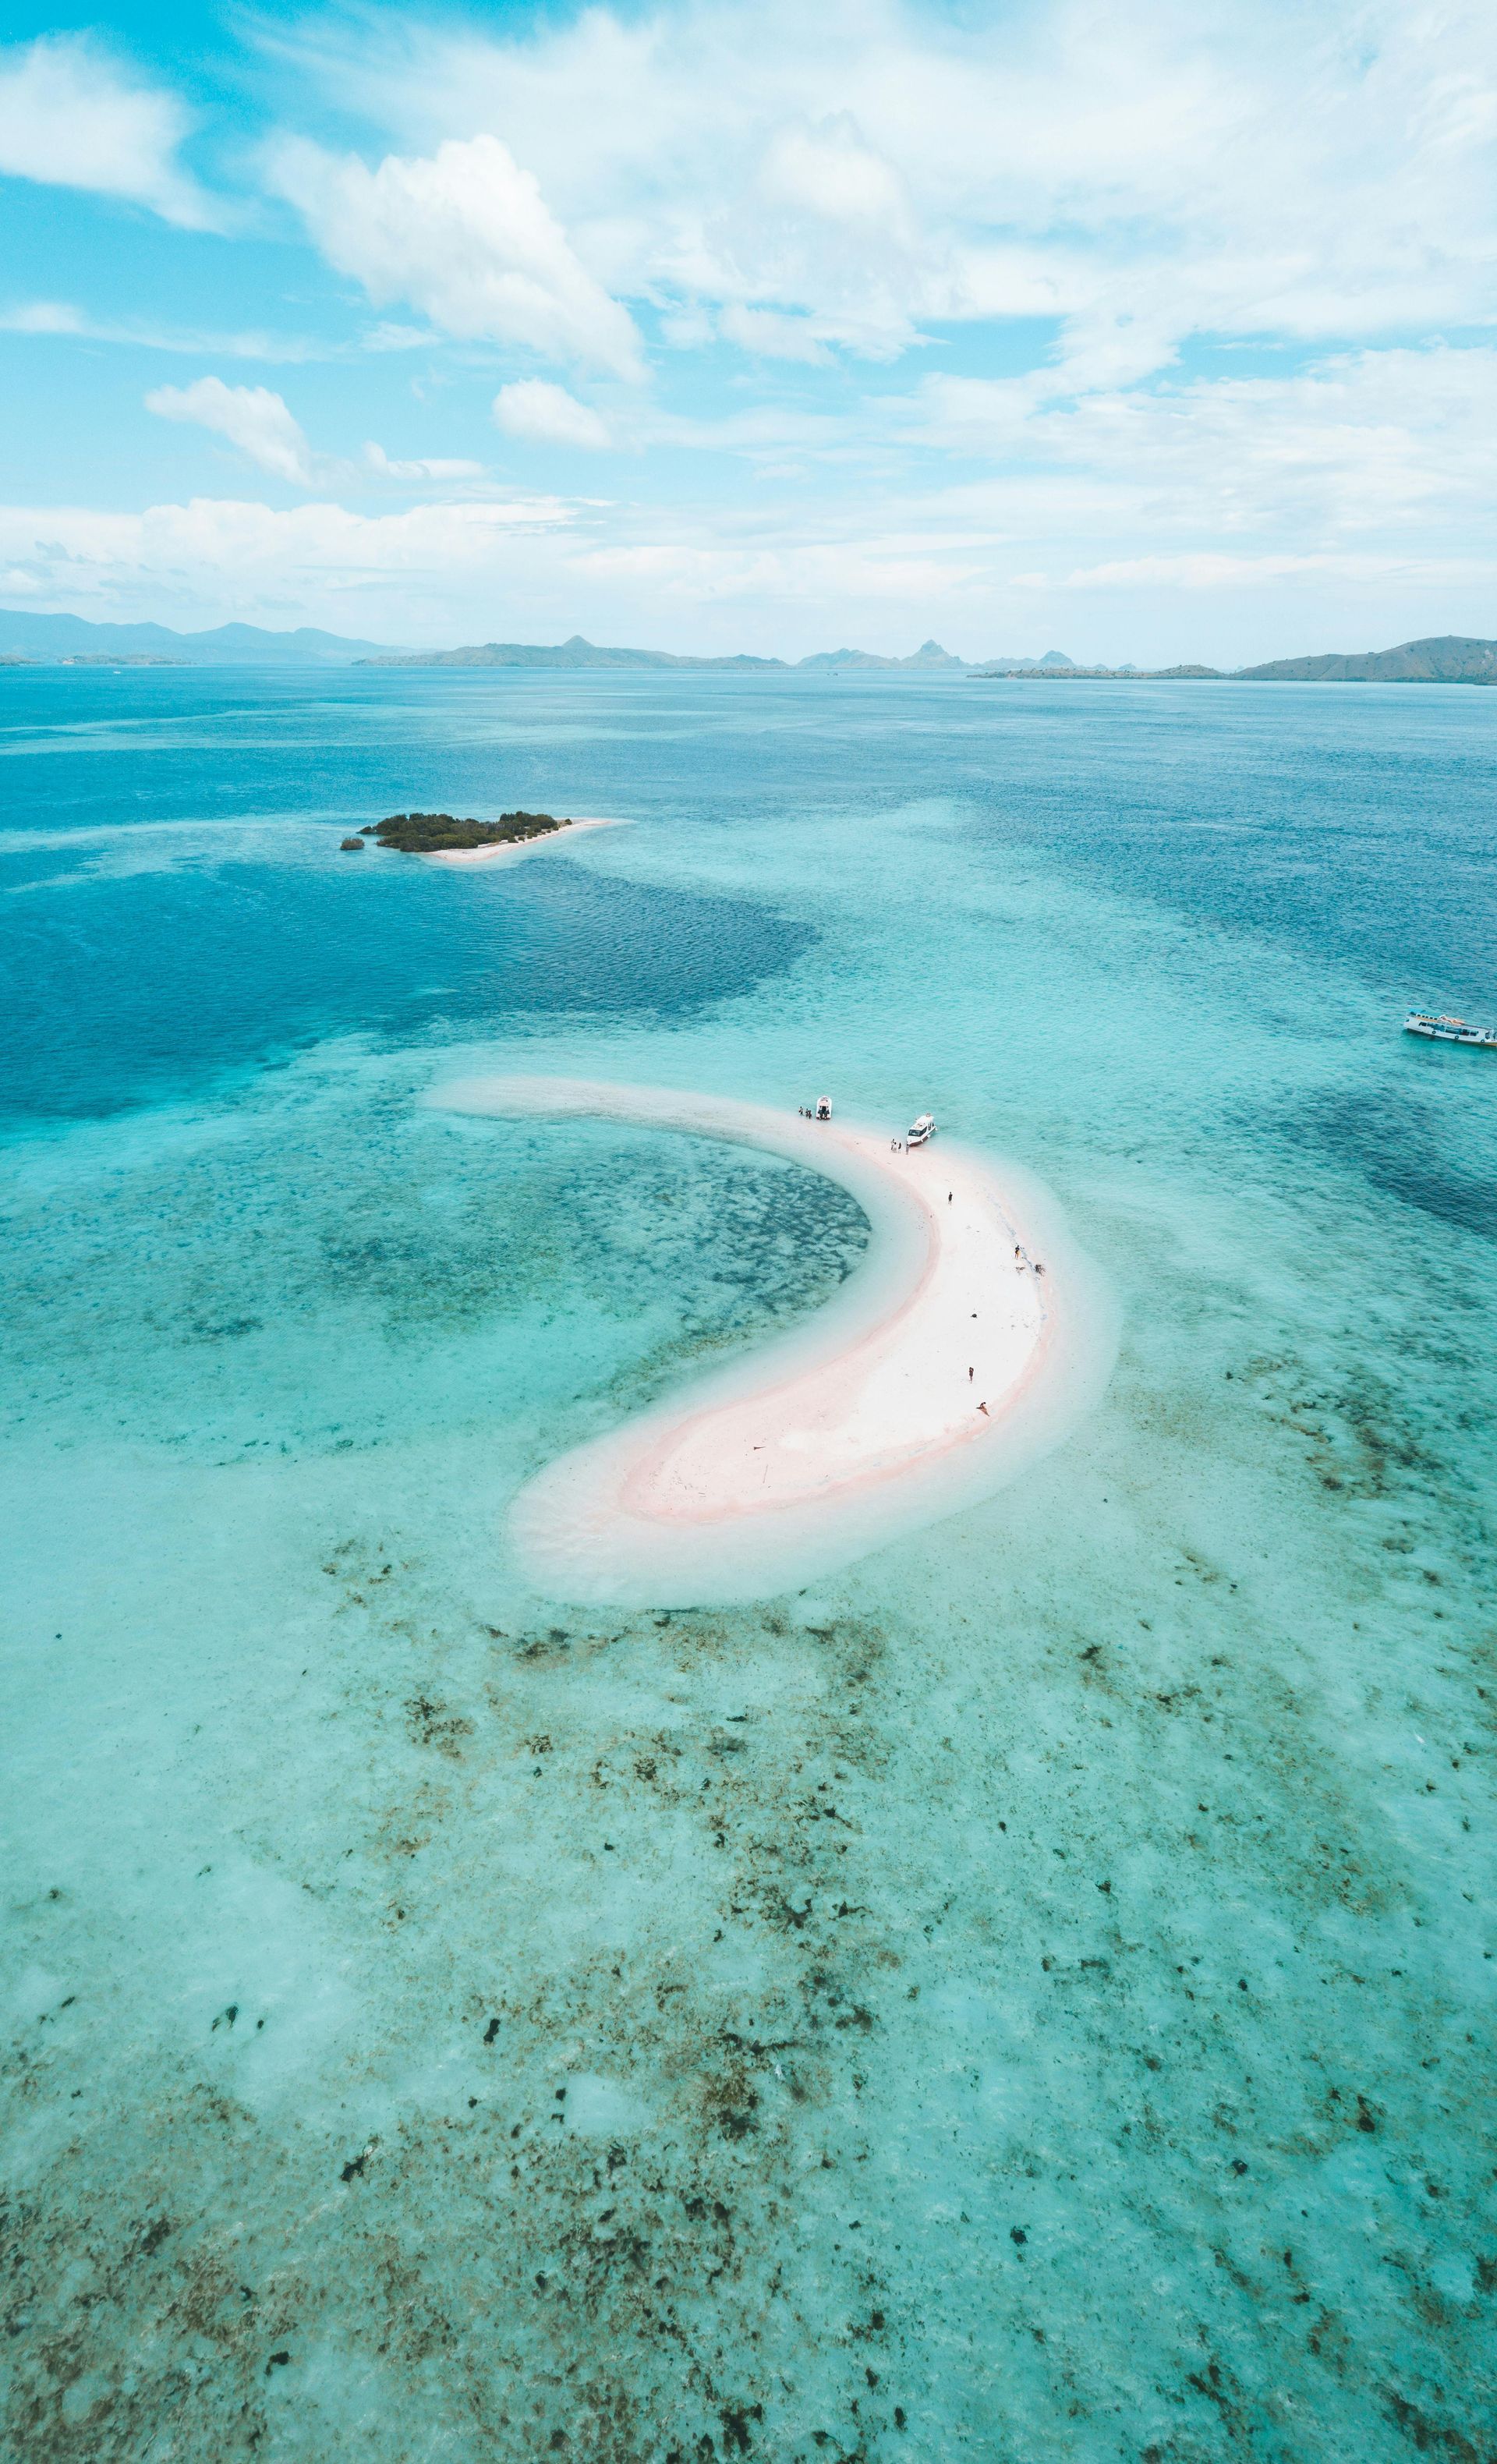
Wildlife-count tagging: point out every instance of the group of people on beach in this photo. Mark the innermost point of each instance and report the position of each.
(1022, 1259)
(821, 1110)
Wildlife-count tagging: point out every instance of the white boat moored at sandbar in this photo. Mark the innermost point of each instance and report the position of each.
(1450, 1030)
(921, 1131)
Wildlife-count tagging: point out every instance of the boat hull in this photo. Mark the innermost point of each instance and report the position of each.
(1472, 1043)
(1475, 1039)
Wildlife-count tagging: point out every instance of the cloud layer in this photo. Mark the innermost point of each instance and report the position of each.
(547, 414)
(896, 319)
(397, 569)
(465, 237)
(251, 417)
(72, 118)
(1239, 166)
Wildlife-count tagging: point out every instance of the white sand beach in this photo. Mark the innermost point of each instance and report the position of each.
(530, 846)
(944, 1365)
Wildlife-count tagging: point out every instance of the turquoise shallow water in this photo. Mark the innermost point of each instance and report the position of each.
(1029, 1999)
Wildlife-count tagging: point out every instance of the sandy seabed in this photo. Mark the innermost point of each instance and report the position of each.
(968, 1342)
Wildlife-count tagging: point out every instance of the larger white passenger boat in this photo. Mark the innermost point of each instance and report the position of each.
(1450, 1030)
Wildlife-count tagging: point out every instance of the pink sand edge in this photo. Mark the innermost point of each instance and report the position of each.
(844, 1408)
(917, 1323)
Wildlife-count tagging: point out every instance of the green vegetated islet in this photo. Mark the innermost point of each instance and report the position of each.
(430, 833)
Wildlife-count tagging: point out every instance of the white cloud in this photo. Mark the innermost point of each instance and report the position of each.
(535, 569)
(828, 171)
(1217, 573)
(262, 428)
(377, 460)
(774, 336)
(72, 118)
(251, 417)
(46, 317)
(387, 336)
(1238, 167)
(465, 237)
(393, 575)
(1370, 440)
(547, 414)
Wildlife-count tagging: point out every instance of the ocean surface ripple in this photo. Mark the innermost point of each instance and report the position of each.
(1027, 1994)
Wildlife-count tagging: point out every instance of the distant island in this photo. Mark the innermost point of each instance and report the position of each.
(437, 833)
(121, 659)
(27, 639)
(442, 838)
(1442, 659)
(1069, 675)
(96, 659)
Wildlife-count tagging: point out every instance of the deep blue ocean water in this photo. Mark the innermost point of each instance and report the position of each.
(1032, 1999)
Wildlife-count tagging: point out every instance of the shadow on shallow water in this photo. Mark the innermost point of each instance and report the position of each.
(1394, 1143)
(124, 992)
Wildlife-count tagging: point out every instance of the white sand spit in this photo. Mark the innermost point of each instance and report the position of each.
(529, 847)
(946, 1364)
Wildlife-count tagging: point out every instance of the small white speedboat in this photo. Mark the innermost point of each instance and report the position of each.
(922, 1130)
(823, 1107)
(1450, 1030)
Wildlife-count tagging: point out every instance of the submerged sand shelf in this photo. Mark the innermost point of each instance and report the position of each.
(965, 1343)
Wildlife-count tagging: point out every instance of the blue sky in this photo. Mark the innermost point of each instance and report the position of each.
(1151, 334)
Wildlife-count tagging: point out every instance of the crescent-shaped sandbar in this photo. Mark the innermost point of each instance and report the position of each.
(966, 1343)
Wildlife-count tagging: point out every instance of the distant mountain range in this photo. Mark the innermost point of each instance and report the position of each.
(575, 653)
(25, 638)
(581, 654)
